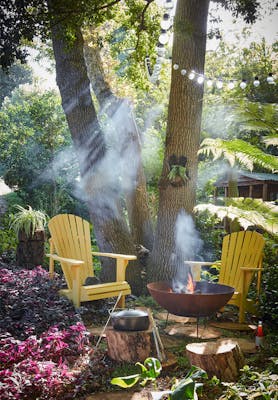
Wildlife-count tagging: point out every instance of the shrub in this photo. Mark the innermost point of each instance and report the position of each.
(41, 337)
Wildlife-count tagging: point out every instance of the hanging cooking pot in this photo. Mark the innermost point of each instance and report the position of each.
(130, 320)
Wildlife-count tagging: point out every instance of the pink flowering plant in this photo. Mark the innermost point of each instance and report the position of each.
(42, 338)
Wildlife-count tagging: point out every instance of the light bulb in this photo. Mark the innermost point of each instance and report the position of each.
(200, 79)
(270, 79)
(168, 4)
(191, 76)
(209, 83)
(160, 51)
(163, 38)
(219, 84)
(175, 67)
(166, 22)
(243, 84)
(183, 72)
(231, 85)
(159, 60)
(256, 82)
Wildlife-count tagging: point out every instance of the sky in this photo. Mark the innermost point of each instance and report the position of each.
(266, 26)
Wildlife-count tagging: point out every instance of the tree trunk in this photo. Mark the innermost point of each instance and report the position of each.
(128, 141)
(183, 133)
(98, 185)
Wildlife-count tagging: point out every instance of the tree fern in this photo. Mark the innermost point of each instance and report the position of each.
(238, 150)
(248, 212)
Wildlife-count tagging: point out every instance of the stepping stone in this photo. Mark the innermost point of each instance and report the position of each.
(175, 318)
(246, 345)
(233, 326)
(206, 332)
(95, 330)
(144, 395)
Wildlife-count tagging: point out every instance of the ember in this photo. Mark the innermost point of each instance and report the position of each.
(184, 287)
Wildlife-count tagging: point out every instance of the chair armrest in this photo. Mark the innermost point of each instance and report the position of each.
(70, 261)
(196, 267)
(121, 263)
(113, 255)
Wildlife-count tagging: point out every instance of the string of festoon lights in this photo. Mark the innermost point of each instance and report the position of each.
(164, 38)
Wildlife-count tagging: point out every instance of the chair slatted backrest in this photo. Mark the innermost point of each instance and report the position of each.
(240, 249)
(71, 238)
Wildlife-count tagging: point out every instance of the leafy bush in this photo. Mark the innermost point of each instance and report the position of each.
(269, 292)
(211, 234)
(41, 337)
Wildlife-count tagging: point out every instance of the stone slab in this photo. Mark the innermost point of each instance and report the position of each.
(175, 318)
(144, 395)
(247, 346)
(204, 332)
(233, 326)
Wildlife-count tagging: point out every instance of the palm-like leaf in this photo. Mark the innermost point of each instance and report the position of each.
(248, 212)
(271, 140)
(238, 150)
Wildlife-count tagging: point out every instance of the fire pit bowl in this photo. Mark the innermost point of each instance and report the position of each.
(206, 299)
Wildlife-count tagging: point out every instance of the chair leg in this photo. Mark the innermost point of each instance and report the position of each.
(121, 302)
(241, 313)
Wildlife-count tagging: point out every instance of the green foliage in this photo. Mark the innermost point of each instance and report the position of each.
(252, 385)
(17, 75)
(183, 389)
(268, 306)
(28, 220)
(36, 155)
(247, 212)
(149, 372)
(211, 232)
(238, 150)
(186, 388)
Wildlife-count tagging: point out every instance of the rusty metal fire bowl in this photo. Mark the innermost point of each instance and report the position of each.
(206, 299)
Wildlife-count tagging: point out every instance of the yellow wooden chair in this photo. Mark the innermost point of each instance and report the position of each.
(241, 258)
(70, 244)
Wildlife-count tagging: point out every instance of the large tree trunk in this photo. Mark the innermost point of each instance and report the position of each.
(120, 113)
(98, 184)
(182, 137)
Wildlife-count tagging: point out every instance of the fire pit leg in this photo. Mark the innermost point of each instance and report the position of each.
(167, 319)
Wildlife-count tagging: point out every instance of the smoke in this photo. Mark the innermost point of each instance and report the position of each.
(187, 248)
(187, 241)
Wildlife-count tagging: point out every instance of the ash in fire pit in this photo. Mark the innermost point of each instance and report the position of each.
(206, 298)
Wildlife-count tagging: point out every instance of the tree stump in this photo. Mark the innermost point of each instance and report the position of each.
(223, 360)
(129, 346)
(30, 249)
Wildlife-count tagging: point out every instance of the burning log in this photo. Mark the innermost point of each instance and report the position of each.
(223, 360)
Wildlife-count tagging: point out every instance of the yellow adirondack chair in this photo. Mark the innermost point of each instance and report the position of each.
(70, 244)
(241, 258)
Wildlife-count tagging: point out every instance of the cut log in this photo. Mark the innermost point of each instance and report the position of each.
(223, 360)
(129, 346)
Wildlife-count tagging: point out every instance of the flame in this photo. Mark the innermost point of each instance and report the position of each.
(190, 284)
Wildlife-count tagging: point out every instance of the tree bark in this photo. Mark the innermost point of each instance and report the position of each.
(128, 138)
(221, 359)
(183, 132)
(98, 185)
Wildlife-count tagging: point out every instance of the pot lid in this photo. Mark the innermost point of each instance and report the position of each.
(130, 313)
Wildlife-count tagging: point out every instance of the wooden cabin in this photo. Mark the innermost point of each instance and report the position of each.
(252, 184)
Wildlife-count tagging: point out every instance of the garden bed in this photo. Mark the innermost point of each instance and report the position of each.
(47, 350)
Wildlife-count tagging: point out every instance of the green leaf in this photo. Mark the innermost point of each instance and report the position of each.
(154, 367)
(184, 390)
(126, 381)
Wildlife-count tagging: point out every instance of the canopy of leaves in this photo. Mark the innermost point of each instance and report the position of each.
(17, 75)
